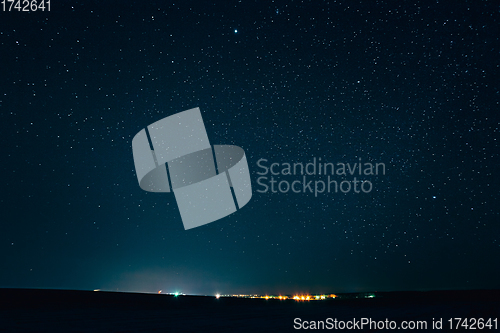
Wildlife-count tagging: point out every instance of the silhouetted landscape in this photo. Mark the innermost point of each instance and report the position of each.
(68, 310)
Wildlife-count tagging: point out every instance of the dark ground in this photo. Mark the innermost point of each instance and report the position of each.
(85, 311)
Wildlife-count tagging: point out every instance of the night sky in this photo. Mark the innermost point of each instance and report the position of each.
(413, 86)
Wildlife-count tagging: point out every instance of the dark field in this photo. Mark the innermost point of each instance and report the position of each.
(88, 311)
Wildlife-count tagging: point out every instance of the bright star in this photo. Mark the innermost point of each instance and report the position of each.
(235, 31)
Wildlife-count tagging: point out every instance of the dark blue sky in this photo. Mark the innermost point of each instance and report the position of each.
(415, 86)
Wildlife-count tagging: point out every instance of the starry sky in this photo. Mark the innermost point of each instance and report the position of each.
(413, 85)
